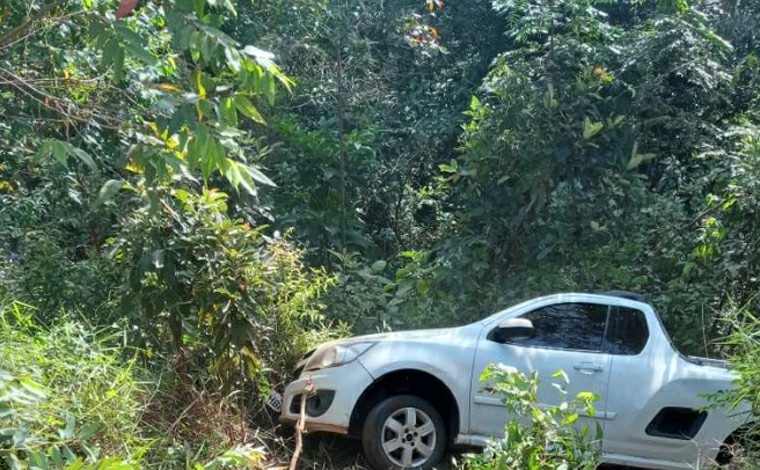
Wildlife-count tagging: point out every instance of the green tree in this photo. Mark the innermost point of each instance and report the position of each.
(594, 148)
(94, 94)
(376, 108)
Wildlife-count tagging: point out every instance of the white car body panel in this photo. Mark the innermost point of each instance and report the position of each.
(633, 389)
(354, 379)
(445, 354)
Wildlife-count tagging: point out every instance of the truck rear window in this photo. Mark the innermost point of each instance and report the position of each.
(627, 332)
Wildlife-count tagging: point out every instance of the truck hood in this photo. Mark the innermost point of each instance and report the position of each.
(410, 335)
(433, 335)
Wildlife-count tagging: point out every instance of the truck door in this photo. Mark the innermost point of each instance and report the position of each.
(567, 336)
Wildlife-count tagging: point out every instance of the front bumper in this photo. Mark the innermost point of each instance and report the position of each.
(347, 382)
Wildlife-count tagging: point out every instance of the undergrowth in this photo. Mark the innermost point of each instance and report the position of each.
(73, 397)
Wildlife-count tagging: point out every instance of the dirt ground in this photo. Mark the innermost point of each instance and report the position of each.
(329, 452)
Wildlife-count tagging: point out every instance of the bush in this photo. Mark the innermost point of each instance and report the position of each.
(213, 286)
(552, 439)
(365, 298)
(51, 236)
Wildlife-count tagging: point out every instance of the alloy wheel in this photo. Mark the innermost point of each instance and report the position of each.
(409, 437)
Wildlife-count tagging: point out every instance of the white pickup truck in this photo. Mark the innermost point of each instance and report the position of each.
(411, 395)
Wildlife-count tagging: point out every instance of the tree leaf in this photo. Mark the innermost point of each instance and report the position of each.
(638, 158)
(229, 112)
(110, 48)
(118, 64)
(125, 8)
(590, 129)
(83, 156)
(108, 191)
(379, 266)
(244, 105)
(264, 58)
(258, 176)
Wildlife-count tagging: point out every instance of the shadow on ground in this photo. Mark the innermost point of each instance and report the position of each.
(330, 452)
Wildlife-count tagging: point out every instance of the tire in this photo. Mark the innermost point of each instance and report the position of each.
(420, 446)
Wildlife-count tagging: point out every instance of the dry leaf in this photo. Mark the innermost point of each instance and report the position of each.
(125, 8)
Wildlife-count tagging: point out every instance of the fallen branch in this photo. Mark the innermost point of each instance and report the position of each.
(301, 424)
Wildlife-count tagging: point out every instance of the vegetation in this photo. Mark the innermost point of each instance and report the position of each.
(744, 342)
(66, 389)
(550, 439)
(194, 193)
(70, 398)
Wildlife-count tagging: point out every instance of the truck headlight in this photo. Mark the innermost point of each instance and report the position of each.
(336, 355)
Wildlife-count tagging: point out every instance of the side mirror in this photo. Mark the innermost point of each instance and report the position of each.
(512, 329)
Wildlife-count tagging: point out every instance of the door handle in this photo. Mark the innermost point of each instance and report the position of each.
(587, 368)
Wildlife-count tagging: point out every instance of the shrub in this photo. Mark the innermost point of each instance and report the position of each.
(369, 300)
(217, 288)
(552, 439)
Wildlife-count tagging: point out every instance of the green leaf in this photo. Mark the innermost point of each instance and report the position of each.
(262, 57)
(87, 431)
(244, 105)
(61, 151)
(109, 51)
(108, 191)
(560, 374)
(379, 266)
(38, 461)
(82, 156)
(47, 149)
(258, 176)
(549, 101)
(135, 45)
(229, 112)
(452, 167)
(67, 433)
(233, 58)
(199, 84)
(570, 419)
(638, 158)
(236, 178)
(32, 387)
(118, 65)
(590, 129)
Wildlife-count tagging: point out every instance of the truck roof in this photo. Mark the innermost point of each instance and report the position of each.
(627, 295)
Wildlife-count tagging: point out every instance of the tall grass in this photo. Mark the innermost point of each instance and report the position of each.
(743, 344)
(74, 397)
(72, 387)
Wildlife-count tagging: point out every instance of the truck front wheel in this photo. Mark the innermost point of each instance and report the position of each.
(404, 431)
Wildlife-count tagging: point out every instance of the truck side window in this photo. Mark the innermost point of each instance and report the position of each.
(627, 333)
(573, 326)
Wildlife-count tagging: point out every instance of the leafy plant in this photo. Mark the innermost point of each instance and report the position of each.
(539, 437)
(160, 82)
(71, 398)
(200, 279)
(744, 346)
